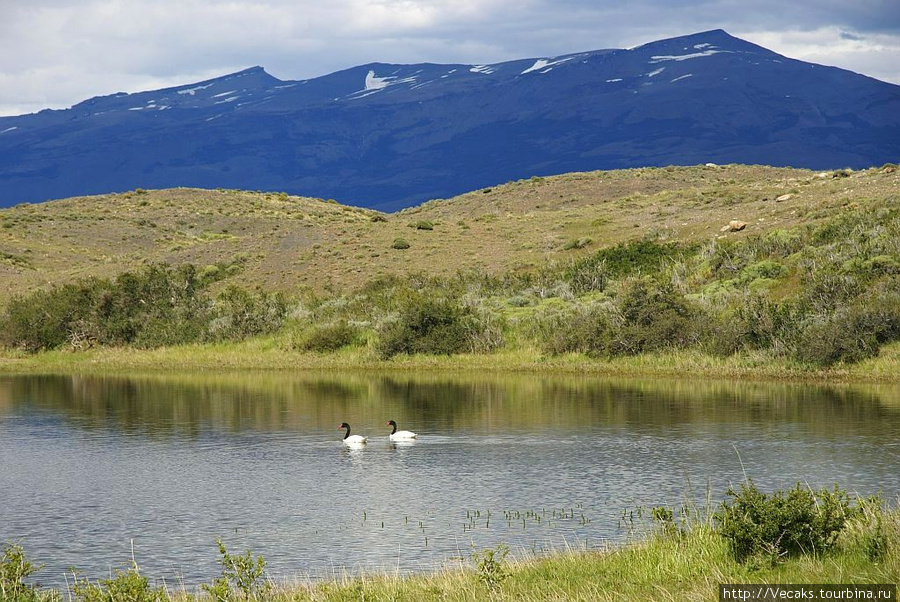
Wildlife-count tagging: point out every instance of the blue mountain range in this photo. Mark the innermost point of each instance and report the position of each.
(391, 136)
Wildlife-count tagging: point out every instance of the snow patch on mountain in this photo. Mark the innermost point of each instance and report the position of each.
(656, 72)
(373, 82)
(544, 63)
(194, 90)
(539, 64)
(684, 57)
(485, 69)
(681, 77)
(15, 127)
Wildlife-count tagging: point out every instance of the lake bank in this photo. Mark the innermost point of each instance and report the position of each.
(681, 566)
(270, 354)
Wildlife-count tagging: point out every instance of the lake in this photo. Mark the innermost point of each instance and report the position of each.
(90, 465)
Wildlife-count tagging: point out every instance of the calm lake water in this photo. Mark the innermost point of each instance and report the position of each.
(90, 464)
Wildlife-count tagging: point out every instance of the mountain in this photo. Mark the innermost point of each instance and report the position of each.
(391, 136)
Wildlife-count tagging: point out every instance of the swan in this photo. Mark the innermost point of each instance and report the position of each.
(400, 435)
(351, 439)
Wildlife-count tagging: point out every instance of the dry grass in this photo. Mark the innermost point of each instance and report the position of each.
(270, 354)
(281, 242)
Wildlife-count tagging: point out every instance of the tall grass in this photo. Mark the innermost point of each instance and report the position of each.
(675, 556)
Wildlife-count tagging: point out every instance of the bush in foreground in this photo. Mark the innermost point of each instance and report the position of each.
(784, 523)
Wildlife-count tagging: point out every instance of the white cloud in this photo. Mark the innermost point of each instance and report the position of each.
(873, 54)
(54, 53)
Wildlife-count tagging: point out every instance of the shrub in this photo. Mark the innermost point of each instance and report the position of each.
(238, 314)
(763, 269)
(580, 328)
(837, 338)
(400, 243)
(330, 337)
(426, 325)
(424, 225)
(587, 275)
(126, 585)
(484, 330)
(241, 575)
(577, 244)
(490, 565)
(45, 319)
(637, 256)
(654, 317)
(784, 523)
(14, 569)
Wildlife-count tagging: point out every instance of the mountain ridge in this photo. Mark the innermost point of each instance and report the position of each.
(388, 136)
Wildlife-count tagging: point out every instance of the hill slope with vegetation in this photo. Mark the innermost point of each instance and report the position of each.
(721, 260)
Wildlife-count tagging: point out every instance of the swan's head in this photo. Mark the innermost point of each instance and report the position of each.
(344, 425)
(391, 423)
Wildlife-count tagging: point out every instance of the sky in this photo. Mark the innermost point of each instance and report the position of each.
(55, 53)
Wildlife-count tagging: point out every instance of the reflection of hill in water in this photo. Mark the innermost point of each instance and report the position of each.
(185, 405)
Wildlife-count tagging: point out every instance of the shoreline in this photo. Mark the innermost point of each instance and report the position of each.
(659, 564)
(268, 355)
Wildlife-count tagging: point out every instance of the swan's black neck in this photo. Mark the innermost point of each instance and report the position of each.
(348, 431)
(393, 424)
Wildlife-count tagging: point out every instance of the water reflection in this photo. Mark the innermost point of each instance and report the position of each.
(183, 406)
(88, 463)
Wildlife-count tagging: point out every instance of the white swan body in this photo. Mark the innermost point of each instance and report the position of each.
(400, 435)
(351, 439)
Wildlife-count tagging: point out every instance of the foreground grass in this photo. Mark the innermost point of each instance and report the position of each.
(684, 566)
(661, 568)
(272, 354)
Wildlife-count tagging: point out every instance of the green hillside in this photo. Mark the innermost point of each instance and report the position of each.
(724, 261)
(285, 243)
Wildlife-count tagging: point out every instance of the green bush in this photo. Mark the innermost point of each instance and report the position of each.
(238, 314)
(424, 225)
(125, 585)
(242, 577)
(490, 565)
(330, 337)
(45, 319)
(581, 328)
(784, 523)
(641, 256)
(156, 306)
(837, 338)
(14, 570)
(426, 325)
(654, 317)
(400, 243)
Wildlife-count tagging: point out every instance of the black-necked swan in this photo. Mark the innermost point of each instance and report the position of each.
(400, 435)
(351, 439)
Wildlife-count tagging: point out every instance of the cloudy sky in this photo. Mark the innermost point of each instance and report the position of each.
(54, 53)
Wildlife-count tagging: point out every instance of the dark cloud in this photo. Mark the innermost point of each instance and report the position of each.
(57, 52)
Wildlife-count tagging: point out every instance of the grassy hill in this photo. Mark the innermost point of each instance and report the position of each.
(286, 243)
(780, 270)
